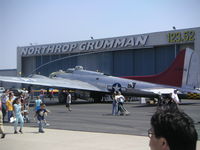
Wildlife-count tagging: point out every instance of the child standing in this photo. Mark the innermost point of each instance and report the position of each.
(40, 113)
(18, 115)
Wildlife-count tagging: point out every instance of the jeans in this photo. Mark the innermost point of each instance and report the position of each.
(4, 111)
(41, 125)
(10, 114)
(121, 108)
(114, 108)
(20, 119)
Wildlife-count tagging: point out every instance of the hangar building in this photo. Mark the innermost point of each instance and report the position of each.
(132, 55)
(8, 72)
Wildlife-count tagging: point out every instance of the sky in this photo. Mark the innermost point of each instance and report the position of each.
(23, 22)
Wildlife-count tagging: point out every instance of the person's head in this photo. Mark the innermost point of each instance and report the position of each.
(66, 91)
(17, 100)
(175, 91)
(7, 91)
(172, 129)
(38, 97)
(42, 106)
(118, 93)
(10, 96)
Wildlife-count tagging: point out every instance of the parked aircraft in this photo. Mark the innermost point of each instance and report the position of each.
(98, 84)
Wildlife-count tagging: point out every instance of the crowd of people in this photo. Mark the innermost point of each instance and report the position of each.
(8, 100)
(118, 100)
(171, 128)
(17, 110)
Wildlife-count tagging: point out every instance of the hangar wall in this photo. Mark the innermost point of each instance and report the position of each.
(133, 55)
(8, 72)
(118, 63)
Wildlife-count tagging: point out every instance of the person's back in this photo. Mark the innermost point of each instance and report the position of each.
(69, 97)
(172, 129)
(38, 101)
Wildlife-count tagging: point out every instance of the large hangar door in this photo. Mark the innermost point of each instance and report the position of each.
(164, 56)
(100, 61)
(123, 63)
(66, 62)
(54, 63)
(144, 62)
(28, 66)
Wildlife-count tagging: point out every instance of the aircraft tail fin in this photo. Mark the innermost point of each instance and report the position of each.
(179, 74)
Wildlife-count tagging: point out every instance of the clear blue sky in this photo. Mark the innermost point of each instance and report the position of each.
(51, 21)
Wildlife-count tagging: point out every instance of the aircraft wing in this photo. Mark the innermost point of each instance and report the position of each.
(53, 82)
(161, 90)
(59, 82)
(168, 90)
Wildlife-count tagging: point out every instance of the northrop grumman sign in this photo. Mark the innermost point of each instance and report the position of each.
(103, 44)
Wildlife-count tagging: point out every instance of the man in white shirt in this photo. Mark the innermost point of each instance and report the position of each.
(68, 100)
(175, 97)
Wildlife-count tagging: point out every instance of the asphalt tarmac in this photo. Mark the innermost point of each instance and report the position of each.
(92, 117)
(91, 126)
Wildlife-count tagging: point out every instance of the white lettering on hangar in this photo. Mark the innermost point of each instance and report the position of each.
(133, 41)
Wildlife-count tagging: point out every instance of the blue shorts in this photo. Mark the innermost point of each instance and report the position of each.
(37, 108)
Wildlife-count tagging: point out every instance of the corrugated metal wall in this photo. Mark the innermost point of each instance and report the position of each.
(123, 63)
(138, 62)
(164, 57)
(8, 72)
(102, 62)
(28, 65)
(144, 62)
